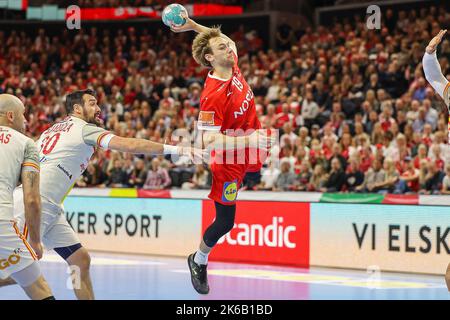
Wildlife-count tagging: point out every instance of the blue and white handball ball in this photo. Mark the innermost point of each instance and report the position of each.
(171, 15)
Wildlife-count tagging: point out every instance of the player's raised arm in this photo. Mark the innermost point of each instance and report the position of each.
(432, 69)
(191, 25)
(31, 196)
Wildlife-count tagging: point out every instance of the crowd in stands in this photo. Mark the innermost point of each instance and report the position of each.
(137, 3)
(354, 111)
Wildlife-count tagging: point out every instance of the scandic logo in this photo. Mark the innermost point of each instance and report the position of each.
(273, 235)
(265, 232)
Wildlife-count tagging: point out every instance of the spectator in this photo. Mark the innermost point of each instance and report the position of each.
(315, 132)
(336, 179)
(305, 139)
(433, 179)
(287, 154)
(117, 177)
(157, 177)
(286, 180)
(421, 155)
(200, 180)
(288, 134)
(419, 123)
(446, 182)
(436, 156)
(138, 174)
(391, 177)
(431, 115)
(409, 180)
(318, 179)
(310, 110)
(337, 154)
(374, 177)
(304, 175)
(354, 179)
(251, 180)
(268, 177)
(92, 177)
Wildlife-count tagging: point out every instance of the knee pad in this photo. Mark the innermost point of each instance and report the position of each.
(222, 225)
(27, 276)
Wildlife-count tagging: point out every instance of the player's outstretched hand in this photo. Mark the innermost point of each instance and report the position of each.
(435, 42)
(188, 26)
(197, 156)
(262, 140)
(37, 247)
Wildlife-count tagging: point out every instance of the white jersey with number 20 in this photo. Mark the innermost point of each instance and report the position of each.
(64, 153)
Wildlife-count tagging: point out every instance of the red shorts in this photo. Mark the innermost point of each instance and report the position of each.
(227, 179)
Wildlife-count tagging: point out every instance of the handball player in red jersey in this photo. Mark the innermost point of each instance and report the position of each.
(229, 127)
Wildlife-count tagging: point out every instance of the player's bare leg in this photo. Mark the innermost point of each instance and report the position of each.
(82, 261)
(447, 277)
(198, 261)
(33, 283)
(39, 290)
(7, 282)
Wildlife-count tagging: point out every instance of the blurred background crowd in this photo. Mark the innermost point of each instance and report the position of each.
(354, 111)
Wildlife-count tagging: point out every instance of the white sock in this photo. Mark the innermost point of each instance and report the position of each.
(201, 257)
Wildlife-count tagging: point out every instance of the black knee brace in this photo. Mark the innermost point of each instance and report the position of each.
(222, 225)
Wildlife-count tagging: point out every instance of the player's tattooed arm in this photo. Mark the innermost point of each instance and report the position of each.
(31, 194)
(32, 202)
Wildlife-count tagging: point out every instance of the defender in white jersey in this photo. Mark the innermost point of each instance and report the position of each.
(19, 160)
(64, 151)
(434, 76)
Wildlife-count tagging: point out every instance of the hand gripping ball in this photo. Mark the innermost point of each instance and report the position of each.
(171, 15)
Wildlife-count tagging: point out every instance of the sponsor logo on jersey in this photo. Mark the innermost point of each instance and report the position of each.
(11, 260)
(245, 104)
(67, 173)
(230, 190)
(206, 118)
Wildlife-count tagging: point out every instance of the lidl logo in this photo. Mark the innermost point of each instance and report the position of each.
(229, 191)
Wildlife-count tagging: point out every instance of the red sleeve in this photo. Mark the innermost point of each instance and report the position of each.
(211, 115)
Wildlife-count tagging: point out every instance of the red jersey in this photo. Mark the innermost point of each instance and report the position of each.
(227, 106)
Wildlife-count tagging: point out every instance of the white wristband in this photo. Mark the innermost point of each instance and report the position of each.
(168, 149)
